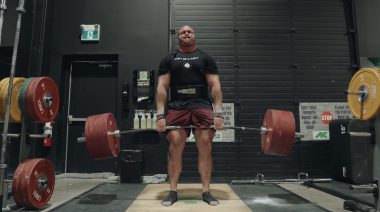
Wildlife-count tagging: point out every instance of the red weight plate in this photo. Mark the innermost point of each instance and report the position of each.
(280, 139)
(38, 183)
(24, 182)
(28, 99)
(47, 93)
(17, 183)
(99, 144)
(44, 99)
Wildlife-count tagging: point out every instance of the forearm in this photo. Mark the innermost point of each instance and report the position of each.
(161, 99)
(217, 96)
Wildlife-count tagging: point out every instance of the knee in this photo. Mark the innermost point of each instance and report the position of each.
(175, 147)
(204, 144)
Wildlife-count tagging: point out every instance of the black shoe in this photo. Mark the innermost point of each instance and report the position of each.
(170, 199)
(209, 199)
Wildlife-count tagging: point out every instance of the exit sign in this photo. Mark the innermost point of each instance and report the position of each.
(90, 32)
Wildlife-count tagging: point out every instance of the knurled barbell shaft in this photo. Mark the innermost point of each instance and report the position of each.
(118, 132)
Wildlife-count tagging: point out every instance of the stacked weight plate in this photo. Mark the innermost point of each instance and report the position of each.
(100, 145)
(33, 183)
(39, 99)
(279, 139)
(14, 113)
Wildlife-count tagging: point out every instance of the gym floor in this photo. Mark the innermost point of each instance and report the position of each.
(105, 193)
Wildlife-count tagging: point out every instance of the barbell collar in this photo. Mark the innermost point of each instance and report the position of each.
(299, 135)
(8, 181)
(360, 92)
(3, 5)
(369, 187)
(264, 130)
(81, 139)
(20, 9)
(360, 134)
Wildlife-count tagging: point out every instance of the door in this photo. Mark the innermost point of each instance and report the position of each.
(92, 90)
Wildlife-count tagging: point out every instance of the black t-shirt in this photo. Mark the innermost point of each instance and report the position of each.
(188, 69)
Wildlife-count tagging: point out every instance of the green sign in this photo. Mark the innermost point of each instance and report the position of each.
(90, 32)
(321, 135)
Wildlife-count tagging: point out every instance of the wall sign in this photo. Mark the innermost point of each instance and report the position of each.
(315, 118)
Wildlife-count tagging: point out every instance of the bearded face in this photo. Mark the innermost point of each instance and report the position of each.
(186, 36)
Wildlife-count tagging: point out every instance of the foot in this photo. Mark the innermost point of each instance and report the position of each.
(170, 199)
(209, 199)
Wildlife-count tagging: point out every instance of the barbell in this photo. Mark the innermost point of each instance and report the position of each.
(102, 136)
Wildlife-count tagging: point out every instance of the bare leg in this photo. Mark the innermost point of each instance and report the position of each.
(204, 144)
(177, 141)
(203, 139)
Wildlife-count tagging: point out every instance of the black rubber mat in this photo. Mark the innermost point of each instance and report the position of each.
(105, 197)
(343, 191)
(269, 197)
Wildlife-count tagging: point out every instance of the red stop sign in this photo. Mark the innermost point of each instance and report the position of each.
(326, 117)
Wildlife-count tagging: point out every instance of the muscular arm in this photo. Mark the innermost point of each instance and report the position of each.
(216, 91)
(162, 92)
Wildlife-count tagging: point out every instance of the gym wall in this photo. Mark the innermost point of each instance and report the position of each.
(133, 33)
(271, 54)
(368, 30)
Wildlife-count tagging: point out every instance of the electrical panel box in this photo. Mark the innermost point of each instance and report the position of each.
(143, 87)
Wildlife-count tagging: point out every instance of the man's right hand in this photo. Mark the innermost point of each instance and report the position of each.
(161, 125)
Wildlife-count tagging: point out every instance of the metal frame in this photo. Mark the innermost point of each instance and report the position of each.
(70, 118)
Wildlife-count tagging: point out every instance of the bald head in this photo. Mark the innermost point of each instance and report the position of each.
(185, 27)
(186, 38)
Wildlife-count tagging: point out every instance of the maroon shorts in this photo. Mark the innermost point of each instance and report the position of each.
(199, 117)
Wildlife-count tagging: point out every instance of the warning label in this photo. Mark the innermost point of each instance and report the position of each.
(316, 116)
(326, 117)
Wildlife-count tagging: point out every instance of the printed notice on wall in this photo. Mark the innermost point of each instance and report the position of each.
(315, 118)
(227, 135)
